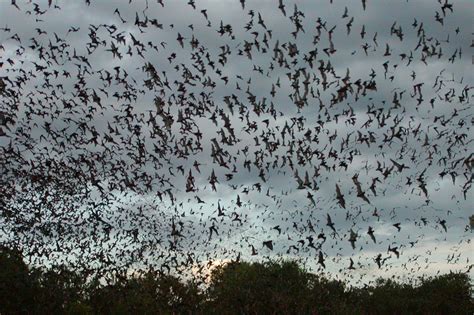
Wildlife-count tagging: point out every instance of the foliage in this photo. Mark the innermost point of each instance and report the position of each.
(235, 288)
(247, 288)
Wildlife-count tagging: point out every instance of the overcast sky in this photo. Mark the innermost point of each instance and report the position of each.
(436, 130)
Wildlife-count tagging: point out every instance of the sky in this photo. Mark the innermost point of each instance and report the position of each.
(105, 114)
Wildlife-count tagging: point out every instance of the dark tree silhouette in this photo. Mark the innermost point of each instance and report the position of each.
(282, 287)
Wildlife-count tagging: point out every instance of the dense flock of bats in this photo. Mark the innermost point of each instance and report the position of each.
(175, 140)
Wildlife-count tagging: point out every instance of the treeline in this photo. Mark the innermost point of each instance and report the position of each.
(235, 288)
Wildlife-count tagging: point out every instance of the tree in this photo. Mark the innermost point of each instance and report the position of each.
(61, 291)
(259, 288)
(150, 293)
(271, 287)
(446, 294)
(17, 286)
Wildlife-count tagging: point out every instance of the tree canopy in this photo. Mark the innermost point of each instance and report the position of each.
(271, 287)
